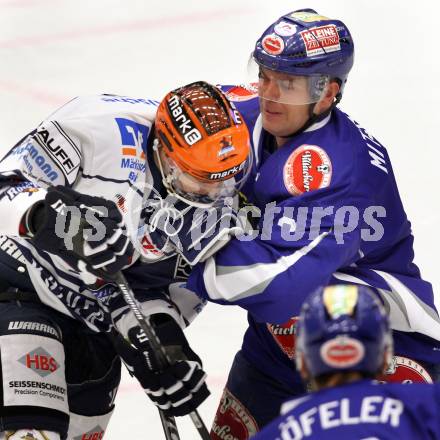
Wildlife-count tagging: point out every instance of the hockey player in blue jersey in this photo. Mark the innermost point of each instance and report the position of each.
(343, 342)
(115, 162)
(330, 212)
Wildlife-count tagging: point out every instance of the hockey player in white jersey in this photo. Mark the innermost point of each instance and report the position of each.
(75, 195)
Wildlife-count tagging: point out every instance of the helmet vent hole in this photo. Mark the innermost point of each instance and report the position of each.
(208, 106)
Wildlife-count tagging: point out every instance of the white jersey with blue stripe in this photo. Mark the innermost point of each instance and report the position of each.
(98, 146)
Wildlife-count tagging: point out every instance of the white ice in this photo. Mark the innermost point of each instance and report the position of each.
(53, 50)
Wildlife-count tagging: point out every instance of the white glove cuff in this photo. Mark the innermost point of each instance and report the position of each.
(188, 303)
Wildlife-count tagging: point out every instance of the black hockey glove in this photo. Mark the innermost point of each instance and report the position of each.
(177, 389)
(87, 232)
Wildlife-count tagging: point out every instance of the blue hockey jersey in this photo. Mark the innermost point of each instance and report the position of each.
(362, 410)
(330, 213)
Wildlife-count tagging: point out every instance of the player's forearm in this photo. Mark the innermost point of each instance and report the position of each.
(268, 283)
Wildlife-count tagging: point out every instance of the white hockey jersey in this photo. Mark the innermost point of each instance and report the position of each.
(98, 146)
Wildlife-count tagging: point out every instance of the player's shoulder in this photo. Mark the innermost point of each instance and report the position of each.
(241, 92)
(347, 157)
(95, 106)
(369, 154)
(245, 98)
(415, 394)
(354, 389)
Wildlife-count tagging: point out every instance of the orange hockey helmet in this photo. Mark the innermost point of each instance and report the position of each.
(205, 144)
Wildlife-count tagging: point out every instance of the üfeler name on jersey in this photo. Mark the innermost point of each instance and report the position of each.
(373, 409)
(182, 121)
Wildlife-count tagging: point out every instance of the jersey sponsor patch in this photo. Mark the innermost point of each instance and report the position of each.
(133, 146)
(24, 187)
(60, 147)
(308, 168)
(40, 362)
(321, 40)
(233, 420)
(285, 335)
(273, 44)
(243, 92)
(285, 29)
(405, 370)
(32, 369)
(34, 156)
(342, 352)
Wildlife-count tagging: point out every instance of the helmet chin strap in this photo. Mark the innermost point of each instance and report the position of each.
(166, 180)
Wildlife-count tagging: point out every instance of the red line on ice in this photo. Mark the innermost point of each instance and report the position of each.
(38, 95)
(134, 26)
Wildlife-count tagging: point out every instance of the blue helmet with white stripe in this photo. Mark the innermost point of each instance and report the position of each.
(343, 328)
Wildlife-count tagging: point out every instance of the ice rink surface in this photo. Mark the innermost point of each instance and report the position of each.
(54, 50)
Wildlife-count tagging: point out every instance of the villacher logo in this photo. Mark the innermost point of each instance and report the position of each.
(40, 361)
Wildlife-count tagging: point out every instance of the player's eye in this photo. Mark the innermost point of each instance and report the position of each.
(262, 75)
(287, 84)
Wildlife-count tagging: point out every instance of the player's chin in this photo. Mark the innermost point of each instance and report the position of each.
(273, 122)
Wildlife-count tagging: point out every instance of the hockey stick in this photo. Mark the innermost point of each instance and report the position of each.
(168, 423)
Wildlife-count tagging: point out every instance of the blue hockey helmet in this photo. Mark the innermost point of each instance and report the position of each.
(343, 328)
(304, 43)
